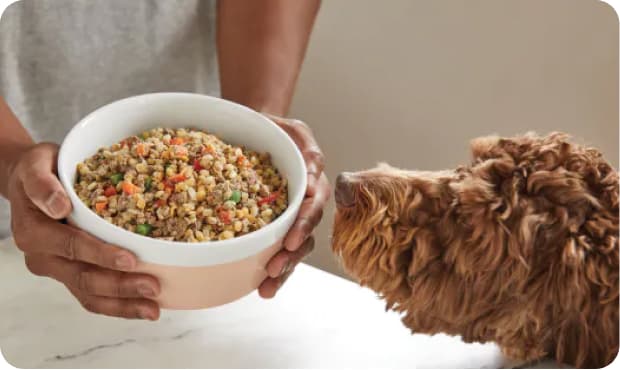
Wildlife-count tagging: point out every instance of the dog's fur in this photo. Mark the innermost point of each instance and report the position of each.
(520, 247)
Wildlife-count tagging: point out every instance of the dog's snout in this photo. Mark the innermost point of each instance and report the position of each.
(345, 191)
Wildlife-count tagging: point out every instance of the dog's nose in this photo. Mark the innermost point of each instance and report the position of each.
(345, 192)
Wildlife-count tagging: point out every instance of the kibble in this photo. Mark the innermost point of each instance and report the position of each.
(182, 185)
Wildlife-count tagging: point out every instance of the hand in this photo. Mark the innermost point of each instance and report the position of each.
(299, 241)
(97, 274)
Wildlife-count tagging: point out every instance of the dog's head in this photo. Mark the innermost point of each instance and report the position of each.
(496, 245)
(381, 214)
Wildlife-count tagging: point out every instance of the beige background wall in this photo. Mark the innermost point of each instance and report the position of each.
(411, 81)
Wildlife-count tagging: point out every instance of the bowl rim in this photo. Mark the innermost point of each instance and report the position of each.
(240, 241)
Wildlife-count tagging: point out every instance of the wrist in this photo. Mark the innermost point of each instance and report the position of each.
(261, 104)
(11, 154)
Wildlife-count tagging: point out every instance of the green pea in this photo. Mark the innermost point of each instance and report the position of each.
(116, 178)
(147, 183)
(144, 229)
(236, 196)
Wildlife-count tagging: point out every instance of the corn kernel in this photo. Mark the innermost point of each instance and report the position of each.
(226, 234)
(254, 211)
(140, 203)
(207, 212)
(180, 187)
(237, 226)
(201, 194)
(141, 168)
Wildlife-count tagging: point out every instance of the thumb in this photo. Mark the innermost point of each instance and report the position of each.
(40, 182)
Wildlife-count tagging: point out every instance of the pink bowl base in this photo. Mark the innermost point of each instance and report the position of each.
(190, 288)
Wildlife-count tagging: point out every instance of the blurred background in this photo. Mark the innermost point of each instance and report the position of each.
(410, 82)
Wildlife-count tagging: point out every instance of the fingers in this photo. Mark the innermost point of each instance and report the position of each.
(107, 292)
(37, 173)
(93, 280)
(38, 234)
(281, 267)
(270, 286)
(285, 260)
(317, 191)
(304, 138)
(131, 308)
(309, 216)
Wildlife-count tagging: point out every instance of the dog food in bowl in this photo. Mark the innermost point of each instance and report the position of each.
(182, 185)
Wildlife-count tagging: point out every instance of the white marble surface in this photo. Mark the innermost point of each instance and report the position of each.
(318, 320)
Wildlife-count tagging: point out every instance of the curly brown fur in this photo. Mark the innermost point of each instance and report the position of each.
(520, 247)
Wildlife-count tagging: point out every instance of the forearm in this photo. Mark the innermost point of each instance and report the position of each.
(261, 46)
(14, 140)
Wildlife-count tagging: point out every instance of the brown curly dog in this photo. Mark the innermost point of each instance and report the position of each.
(520, 247)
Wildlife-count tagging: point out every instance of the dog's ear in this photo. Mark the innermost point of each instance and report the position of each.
(384, 166)
(490, 147)
(482, 147)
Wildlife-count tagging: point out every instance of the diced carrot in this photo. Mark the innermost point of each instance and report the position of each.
(269, 199)
(208, 149)
(175, 179)
(179, 151)
(224, 216)
(241, 160)
(197, 165)
(141, 149)
(160, 203)
(100, 206)
(109, 191)
(129, 188)
(177, 141)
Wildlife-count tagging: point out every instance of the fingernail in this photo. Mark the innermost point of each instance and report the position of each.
(55, 204)
(145, 313)
(285, 268)
(123, 262)
(146, 291)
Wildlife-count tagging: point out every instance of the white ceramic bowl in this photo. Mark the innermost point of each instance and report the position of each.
(192, 275)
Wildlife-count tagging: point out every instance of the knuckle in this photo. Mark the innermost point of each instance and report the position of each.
(41, 180)
(84, 282)
(89, 304)
(43, 148)
(32, 265)
(316, 156)
(20, 225)
(120, 289)
(298, 123)
(22, 239)
(70, 246)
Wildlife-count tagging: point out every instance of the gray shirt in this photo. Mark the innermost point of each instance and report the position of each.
(61, 59)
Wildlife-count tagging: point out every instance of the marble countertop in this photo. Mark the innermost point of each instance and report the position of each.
(318, 320)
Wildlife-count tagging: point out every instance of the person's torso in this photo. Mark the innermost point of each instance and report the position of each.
(61, 59)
